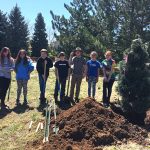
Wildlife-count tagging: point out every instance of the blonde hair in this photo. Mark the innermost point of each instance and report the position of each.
(108, 53)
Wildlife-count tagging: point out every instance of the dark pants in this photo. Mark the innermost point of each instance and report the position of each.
(42, 87)
(107, 90)
(4, 85)
(60, 87)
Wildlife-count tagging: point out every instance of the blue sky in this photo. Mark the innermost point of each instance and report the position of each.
(30, 9)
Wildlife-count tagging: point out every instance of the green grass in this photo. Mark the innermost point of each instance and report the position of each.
(14, 133)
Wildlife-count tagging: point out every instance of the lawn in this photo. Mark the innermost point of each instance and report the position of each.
(14, 133)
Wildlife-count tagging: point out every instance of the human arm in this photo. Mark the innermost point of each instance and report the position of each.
(71, 58)
(49, 63)
(86, 71)
(39, 66)
(31, 66)
(56, 73)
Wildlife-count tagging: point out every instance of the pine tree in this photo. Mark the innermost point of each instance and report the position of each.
(18, 31)
(3, 29)
(134, 84)
(39, 40)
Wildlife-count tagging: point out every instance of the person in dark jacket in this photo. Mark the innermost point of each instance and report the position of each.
(44, 63)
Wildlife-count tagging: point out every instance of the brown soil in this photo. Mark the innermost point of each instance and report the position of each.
(87, 126)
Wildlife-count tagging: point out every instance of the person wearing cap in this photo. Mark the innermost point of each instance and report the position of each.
(61, 72)
(78, 72)
(42, 61)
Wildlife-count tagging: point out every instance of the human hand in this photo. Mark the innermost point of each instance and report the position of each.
(45, 62)
(43, 77)
(97, 79)
(105, 79)
(87, 78)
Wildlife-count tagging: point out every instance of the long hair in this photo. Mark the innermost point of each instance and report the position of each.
(4, 49)
(25, 59)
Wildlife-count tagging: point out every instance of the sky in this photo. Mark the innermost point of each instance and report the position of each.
(30, 9)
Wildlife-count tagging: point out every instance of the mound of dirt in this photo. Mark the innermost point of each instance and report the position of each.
(87, 126)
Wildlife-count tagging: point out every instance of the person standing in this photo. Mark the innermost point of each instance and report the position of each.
(109, 77)
(61, 72)
(6, 66)
(78, 72)
(23, 68)
(44, 63)
(92, 73)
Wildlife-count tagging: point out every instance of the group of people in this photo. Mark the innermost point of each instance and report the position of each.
(76, 66)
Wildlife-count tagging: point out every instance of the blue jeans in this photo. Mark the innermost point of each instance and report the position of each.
(42, 86)
(91, 86)
(60, 87)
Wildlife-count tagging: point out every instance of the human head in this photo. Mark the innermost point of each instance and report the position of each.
(44, 53)
(22, 54)
(93, 55)
(78, 51)
(61, 55)
(5, 52)
(108, 55)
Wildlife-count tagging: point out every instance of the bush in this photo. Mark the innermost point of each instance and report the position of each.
(134, 83)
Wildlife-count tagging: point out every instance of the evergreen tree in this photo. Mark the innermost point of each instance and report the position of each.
(18, 31)
(39, 40)
(134, 84)
(3, 30)
(102, 24)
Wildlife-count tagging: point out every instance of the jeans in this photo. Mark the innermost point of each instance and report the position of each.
(22, 84)
(42, 86)
(76, 81)
(107, 90)
(4, 85)
(60, 87)
(92, 86)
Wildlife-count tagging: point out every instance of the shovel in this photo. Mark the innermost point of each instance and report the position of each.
(55, 128)
(47, 122)
(67, 98)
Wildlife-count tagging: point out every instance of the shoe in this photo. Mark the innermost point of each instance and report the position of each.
(72, 102)
(4, 106)
(77, 100)
(106, 105)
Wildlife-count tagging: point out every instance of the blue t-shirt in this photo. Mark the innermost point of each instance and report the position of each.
(93, 67)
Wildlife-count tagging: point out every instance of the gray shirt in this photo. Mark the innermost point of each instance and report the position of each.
(78, 65)
(5, 69)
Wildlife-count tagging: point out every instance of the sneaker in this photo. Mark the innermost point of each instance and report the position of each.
(77, 100)
(72, 102)
(105, 105)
